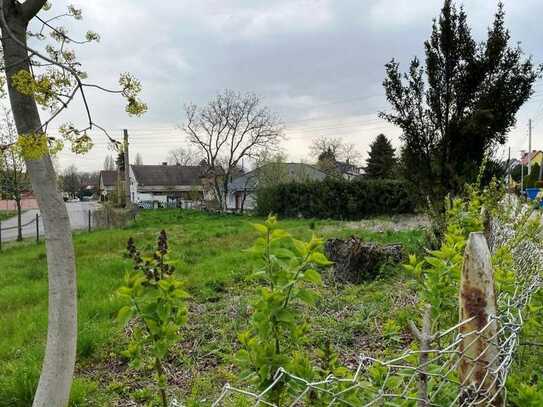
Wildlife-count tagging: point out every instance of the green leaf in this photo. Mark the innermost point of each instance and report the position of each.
(283, 253)
(286, 316)
(279, 234)
(124, 292)
(124, 314)
(308, 296)
(300, 246)
(320, 259)
(313, 276)
(435, 262)
(260, 228)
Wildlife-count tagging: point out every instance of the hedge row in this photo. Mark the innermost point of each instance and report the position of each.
(335, 199)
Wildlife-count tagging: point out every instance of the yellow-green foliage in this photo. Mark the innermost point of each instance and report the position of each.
(56, 86)
(36, 145)
(131, 88)
(80, 141)
(440, 270)
(288, 269)
(40, 88)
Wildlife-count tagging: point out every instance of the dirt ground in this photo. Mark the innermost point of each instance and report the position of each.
(395, 223)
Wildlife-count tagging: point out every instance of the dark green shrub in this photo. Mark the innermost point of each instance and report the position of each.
(335, 199)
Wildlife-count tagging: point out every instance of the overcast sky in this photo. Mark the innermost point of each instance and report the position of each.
(318, 63)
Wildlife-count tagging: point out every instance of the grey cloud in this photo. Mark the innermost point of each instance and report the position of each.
(307, 58)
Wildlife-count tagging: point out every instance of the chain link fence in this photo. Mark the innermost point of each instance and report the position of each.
(31, 228)
(459, 366)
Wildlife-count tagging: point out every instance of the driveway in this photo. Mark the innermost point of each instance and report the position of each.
(78, 212)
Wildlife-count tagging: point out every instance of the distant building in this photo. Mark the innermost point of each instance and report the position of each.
(348, 170)
(535, 157)
(107, 183)
(161, 184)
(242, 189)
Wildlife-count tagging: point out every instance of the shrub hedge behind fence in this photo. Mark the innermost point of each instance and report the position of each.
(335, 199)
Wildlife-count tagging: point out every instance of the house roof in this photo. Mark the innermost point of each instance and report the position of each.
(524, 159)
(168, 175)
(249, 180)
(109, 178)
(347, 168)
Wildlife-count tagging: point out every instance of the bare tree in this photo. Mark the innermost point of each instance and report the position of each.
(339, 149)
(71, 181)
(330, 152)
(232, 126)
(51, 76)
(109, 163)
(139, 159)
(186, 155)
(272, 169)
(13, 179)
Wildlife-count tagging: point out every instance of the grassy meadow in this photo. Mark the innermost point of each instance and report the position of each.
(209, 249)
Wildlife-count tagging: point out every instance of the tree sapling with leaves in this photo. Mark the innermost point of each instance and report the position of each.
(157, 300)
(288, 267)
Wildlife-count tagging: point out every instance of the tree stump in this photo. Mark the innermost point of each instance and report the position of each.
(357, 261)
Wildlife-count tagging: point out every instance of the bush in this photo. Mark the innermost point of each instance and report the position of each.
(335, 199)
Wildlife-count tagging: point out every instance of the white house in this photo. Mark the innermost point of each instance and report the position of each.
(161, 184)
(347, 170)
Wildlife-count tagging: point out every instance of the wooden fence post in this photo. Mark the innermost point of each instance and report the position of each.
(478, 349)
(425, 339)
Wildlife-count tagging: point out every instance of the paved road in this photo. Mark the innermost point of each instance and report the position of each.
(78, 212)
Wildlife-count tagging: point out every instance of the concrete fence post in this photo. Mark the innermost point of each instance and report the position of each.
(477, 304)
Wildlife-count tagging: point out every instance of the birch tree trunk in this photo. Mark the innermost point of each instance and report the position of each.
(58, 366)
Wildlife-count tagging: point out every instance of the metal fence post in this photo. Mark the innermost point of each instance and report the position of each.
(90, 225)
(0, 236)
(37, 228)
(479, 349)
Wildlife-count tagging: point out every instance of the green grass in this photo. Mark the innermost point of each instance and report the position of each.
(210, 252)
(7, 215)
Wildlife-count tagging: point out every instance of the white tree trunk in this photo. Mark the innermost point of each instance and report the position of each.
(58, 366)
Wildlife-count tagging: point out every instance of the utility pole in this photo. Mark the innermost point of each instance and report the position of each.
(126, 168)
(509, 167)
(529, 146)
(521, 177)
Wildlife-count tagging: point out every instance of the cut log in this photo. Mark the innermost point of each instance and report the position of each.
(357, 261)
